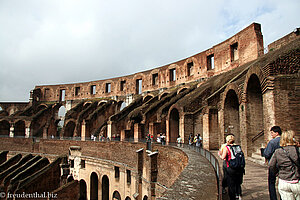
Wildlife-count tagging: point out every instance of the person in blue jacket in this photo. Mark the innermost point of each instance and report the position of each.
(267, 153)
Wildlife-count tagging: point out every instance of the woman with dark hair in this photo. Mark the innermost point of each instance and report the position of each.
(285, 162)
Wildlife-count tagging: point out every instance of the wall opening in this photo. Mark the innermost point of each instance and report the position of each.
(127, 198)
(231, 116)
(172, 74)
(128, 174)
(116, 195)
(94, 186)
(139, 83)
(62, 95)
(1, 108)
(254, 117)
(77, 91)
(61, 116)
(174, 125)
(19, 129)
(190, 68)
(155, 79)
(105, 188)
(82, 190)
(117, 172)
(4, 128)
(234, 51)
(122, 85)
(93, 89)
(145, 197)
(69, 129)
(210, 62)
(108, 88)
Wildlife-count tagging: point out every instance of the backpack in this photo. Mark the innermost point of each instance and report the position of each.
(237, 160)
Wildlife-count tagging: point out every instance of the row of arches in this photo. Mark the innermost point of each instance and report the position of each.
(94, 189)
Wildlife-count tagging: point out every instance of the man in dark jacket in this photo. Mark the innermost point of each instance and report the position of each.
(268, 152)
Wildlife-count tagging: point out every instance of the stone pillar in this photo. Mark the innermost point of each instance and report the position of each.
(83, 129)
(27, 129)
(109, 129)
(45, 130)
(167, 130)
(12, 130)
(206, 130)
(181, 127)
(137, 132)
(269, 113)
(123, 135)
(221, 127)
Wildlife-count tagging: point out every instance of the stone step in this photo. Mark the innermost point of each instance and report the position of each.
(257, 158)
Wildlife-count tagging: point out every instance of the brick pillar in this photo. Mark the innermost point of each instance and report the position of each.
(243, 127)
(153, 173)
(167, 130)
(83, 129)
(221, 127)
(140, 166)
(137, 132)
(45, 132)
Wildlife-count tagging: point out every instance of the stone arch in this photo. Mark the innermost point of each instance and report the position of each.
(82, 190)
(182, 89)
(162, 95)
(19, 130)
(173, 125)
(69, 128)
(231, 115)
(12, 110)
(94, 186)
(147, 98)
(105, 188)
(145, 197)
(103, 102)
(41, 107)
(254, 112)
(116, 195)
(4, 128)
(127, 198)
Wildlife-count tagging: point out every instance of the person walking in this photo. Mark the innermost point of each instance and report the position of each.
(235, 167)
(267, 153)
(285, 162)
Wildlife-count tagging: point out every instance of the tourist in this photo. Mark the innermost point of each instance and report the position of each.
(224, 179)
(191, 139)
(163, 139)
(179, 141)
(158, 139)
(198, 141)
(267, 153)
(285, 162)
(234, 175)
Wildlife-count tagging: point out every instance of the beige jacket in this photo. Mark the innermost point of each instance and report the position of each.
(282, 165)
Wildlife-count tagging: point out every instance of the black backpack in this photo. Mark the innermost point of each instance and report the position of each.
(237, 160)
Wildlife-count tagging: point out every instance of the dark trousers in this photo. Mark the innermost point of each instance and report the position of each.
(224, 180)
(271, 183)
(234, 182)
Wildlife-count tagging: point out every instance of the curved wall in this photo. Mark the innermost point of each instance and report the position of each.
(241, 48)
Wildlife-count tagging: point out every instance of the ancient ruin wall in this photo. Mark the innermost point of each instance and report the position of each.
(241, 48)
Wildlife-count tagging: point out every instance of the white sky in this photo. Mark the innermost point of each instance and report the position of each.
(64, 41)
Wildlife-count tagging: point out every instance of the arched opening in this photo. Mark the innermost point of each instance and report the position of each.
(1, 109)
(123, 105)
(41, 107)
(36, 129)
(94, 186)
(254, 108)
(116, 195)
(19, 129)
(82, 190)
(4, 128)
(69, 129)
(147, 98)
(145, 197)
(61, 116)
(105, 188)
(231, 115)
(127, 198)
(174, 125)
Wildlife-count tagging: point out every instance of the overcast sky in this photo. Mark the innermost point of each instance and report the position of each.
(46, 42)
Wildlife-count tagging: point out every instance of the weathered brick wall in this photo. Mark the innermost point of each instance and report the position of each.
(284, 40)
(250, 46)
(68, 191)
(287, 98)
